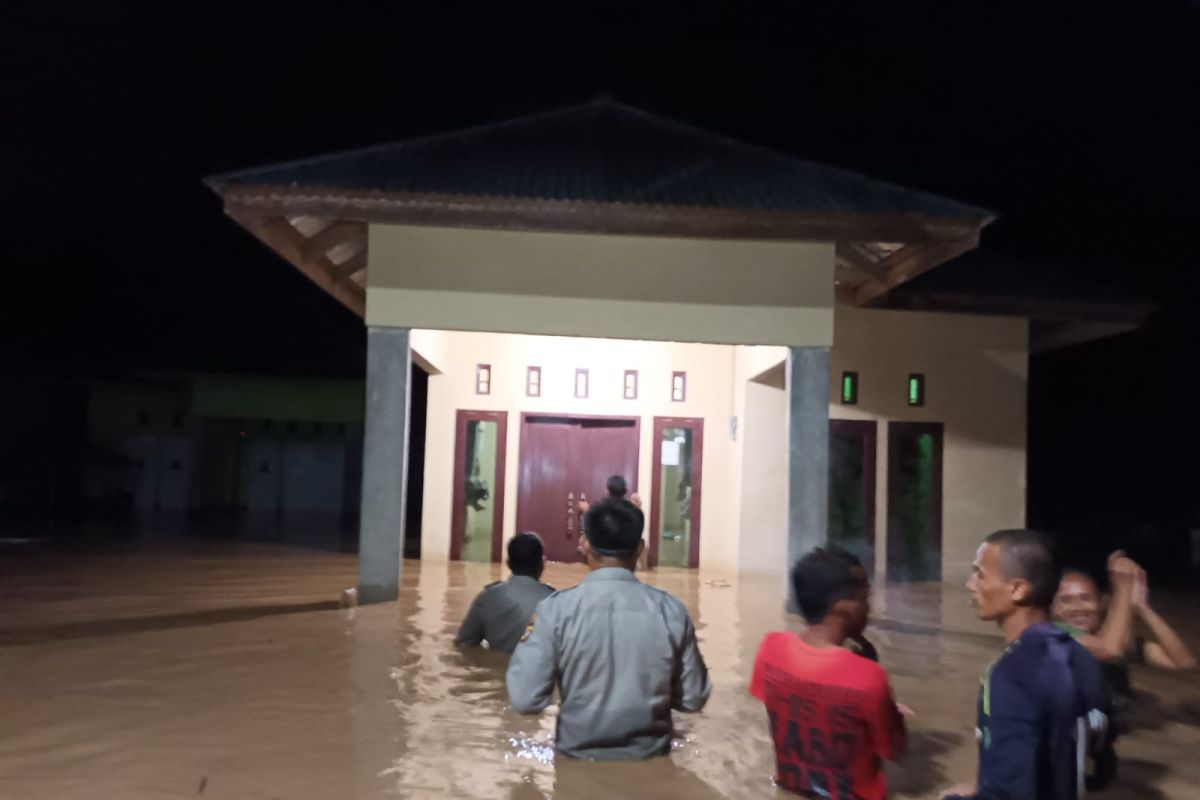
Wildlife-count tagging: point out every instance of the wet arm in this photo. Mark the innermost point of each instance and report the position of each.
(1112, 640)
(1167, 650)
(692, 686)
(531, 670)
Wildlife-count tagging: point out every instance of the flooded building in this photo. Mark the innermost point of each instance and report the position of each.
(598, 290)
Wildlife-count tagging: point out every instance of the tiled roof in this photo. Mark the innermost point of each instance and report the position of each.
(602, 152)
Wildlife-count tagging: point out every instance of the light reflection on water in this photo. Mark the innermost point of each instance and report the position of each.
(376, 702)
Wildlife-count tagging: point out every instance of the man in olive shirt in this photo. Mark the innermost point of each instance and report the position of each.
(501, 611)
(623, 654)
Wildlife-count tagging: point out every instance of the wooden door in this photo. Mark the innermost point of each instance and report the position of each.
(852, 488)
(914, 535)
(561, 457)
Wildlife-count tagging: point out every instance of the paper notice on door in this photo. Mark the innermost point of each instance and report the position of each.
(670, 454)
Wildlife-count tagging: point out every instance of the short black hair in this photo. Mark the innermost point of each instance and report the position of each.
(525, 553)
(1030, 555)
(614, 526)
(819, 579)
(837, 551)
(616, 486)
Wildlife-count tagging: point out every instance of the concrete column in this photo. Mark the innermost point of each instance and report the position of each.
(807, 385)
(385, 465)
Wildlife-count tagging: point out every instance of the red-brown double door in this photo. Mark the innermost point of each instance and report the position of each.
(563, 456)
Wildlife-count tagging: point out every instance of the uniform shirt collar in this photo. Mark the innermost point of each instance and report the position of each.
(610, 574)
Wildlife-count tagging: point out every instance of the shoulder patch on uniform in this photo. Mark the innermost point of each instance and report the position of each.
(529, 627)
(493, 585)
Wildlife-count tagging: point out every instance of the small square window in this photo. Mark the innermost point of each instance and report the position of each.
(678, 387)
(533, 381)
(483, 379)
(581, 383)
(849, 388)
(916, 389)
(631, 382)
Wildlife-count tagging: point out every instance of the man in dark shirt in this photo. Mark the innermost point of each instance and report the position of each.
(501, 611)
(1043, 702)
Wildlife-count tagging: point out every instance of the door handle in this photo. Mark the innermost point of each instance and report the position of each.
(570, 514)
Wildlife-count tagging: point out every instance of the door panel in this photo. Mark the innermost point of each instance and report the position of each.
(604, 448)
(852, 488)
(675, 513)
(477, 521)
(562, 457)
(914, 550)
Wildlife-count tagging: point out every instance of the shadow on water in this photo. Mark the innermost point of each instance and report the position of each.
(1149, 712)
(921, 773)
(155, 622)
(1136, 779)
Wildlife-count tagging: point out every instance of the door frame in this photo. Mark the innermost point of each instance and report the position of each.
(458, 511)
(870, 429)
(938, 431)
(697, 426)
(526, 416)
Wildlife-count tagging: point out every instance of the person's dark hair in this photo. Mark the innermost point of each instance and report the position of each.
(837, 551)
(616, 486)
(1030, 555)
(525, 554)
(819, 580)
(1081, 572)
(614, 527)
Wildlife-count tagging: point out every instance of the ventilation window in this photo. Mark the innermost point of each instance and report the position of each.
(678, 387)
(581, 383)
(849, 388)
(483, 379)
(533, 381)
(916, 389)
(631, 381)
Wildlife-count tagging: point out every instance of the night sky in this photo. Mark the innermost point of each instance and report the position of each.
(1076, 122)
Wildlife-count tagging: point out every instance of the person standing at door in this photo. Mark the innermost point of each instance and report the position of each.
(1042, 703)
(616, 488)
(623, 655)
(501, 611)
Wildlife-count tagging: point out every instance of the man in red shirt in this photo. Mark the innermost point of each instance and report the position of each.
(831, 712)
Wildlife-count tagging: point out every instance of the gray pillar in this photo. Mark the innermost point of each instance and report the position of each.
(385, 465)
(808, 452)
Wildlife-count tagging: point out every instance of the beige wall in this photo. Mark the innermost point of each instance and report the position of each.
(692, 290)
(709, 395)
(976, 375)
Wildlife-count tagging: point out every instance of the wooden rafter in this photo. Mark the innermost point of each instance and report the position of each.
(856, 257)
(282, 237)
(335, 234)
(907, 263)
(354, 264)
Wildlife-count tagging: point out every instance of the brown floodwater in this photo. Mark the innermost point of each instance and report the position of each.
(220, 671)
